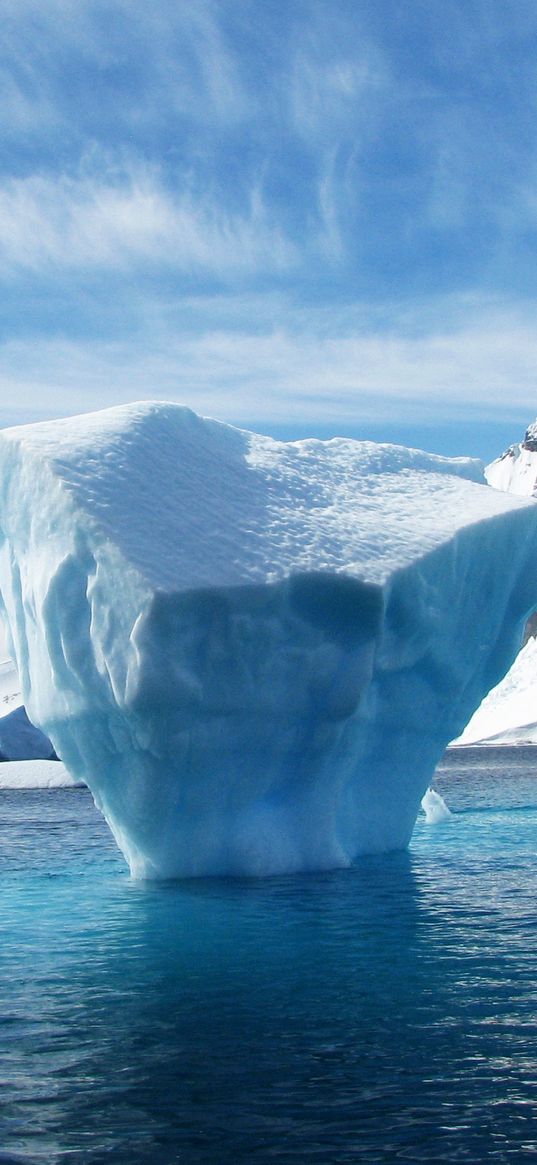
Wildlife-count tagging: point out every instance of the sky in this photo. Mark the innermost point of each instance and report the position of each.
(307, 217)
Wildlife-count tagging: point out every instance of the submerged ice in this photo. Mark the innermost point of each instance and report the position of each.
(254, 653)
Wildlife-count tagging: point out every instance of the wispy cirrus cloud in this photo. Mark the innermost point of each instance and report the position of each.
(92, 67)
(277, 365)
(128, 218)
(309, 210)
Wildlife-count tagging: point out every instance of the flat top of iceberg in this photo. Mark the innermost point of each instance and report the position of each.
(164, 484)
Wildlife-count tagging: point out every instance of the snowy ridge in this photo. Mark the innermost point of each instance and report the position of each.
(254, 653)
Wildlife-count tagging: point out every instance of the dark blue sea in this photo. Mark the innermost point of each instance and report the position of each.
(381, 1014)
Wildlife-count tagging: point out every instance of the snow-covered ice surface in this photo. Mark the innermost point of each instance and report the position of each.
(508, 715)
(36, 774)
(254, 653)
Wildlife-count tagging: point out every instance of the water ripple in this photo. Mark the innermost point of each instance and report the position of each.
(380, 1014)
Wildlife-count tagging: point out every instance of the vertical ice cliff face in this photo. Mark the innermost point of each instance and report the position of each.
(254, 653)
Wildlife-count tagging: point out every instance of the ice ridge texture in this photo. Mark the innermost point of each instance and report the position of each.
(254, 653)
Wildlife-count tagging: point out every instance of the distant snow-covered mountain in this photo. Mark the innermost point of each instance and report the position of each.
(508, 715)
(516, 470)
(10, 691)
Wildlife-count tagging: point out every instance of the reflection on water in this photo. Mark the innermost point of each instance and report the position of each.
(379, 1014)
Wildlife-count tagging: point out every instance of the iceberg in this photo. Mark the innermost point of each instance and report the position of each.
(434, 807)
(253, 652)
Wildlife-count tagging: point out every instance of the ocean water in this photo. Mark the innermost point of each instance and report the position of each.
(380, 1014)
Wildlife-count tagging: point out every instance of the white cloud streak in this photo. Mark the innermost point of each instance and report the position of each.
(292, 373)
(182, 63)
(117, 222)
(271, 173)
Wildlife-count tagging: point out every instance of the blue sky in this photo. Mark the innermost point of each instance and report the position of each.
(305, 216)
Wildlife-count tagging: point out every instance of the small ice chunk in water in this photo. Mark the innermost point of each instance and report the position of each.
(434, 807)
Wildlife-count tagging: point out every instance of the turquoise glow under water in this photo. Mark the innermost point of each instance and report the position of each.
(384, 1013)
